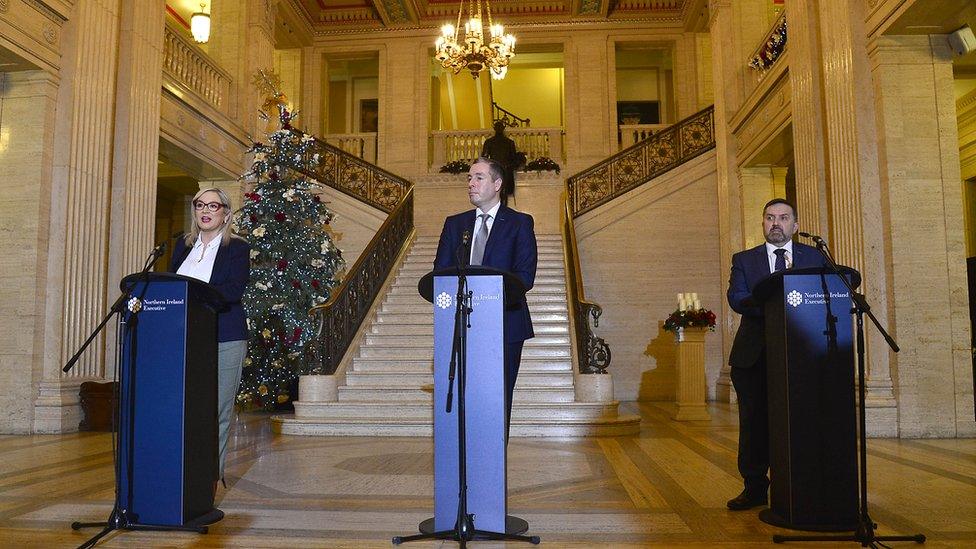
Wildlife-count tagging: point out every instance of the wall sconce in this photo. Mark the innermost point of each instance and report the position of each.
(200, 25)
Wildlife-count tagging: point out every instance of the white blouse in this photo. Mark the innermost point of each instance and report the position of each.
(200, 261)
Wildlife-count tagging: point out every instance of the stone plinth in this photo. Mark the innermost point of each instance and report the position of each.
(690, 393)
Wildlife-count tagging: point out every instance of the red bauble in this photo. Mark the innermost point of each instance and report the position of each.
(282, 264)
(296, 284)
(280, 217)
(315, 284)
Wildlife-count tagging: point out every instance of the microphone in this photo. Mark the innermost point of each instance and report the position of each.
(461, 253)
(178, 235)
(812, 237)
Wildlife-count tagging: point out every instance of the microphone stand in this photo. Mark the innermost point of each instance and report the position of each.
(464, 529)
(865, 532)
(120, 517)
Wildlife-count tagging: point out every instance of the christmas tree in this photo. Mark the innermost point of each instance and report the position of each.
(294, 261)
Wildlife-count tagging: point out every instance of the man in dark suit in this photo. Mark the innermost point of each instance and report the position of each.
(748, 355)
(501, 238)
(503, 150)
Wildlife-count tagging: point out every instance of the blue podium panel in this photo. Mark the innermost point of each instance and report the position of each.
(484, 405)
(167, 394)
(810, 368)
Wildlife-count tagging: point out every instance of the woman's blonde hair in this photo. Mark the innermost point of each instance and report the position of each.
(191, 237)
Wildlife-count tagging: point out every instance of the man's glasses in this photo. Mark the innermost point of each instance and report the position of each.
(210, 206)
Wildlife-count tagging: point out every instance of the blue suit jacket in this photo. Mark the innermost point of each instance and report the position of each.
(511, 247)
(749, 268)
(231, 271)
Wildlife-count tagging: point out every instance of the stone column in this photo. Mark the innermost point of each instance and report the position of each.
(728, 96)
(136, 145)
(312, 101)
(404, 83)
(856, 230)
(686, 75)
(589, 61)
(243, 42)
(703, 71)
(77, 279)
(927, 285)
(27, 102)
(808, 127)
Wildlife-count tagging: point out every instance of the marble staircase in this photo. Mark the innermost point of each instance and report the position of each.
(388, 386)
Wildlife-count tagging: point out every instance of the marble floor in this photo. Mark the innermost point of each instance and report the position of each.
(666, 487)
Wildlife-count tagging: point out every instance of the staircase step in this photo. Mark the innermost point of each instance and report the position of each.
(348, 393)
(414, 341)
(403, 379)
(359, 427)
(427, 330)
(418, 353)
(427, 318)
(394, 411)
(380, 364)
(427, 308)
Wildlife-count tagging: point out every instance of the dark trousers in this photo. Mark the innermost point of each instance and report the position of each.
(750, 387)
(513, 356)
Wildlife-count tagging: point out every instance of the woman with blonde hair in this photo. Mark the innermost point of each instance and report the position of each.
(212, 254)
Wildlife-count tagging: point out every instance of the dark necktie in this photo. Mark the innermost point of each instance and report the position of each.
(480, 239)
(780, 259)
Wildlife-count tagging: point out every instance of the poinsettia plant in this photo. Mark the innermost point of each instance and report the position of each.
(690, 318)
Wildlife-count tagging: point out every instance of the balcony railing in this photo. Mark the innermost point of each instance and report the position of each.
(188, 65)
(448, 146)
(360, 145)
(629, 135)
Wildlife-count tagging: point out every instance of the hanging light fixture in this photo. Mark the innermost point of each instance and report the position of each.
(480, 48)
(200, 25)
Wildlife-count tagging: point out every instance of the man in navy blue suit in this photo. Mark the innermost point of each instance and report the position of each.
(501, 238)
(748, 355)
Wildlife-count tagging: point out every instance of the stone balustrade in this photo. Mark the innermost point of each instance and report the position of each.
(360, 145)
(188, 65)
(631, 134)
(448, 146)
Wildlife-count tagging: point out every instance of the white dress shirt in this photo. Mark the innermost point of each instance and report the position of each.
(770, 249)
(199, 262)
(493, 212)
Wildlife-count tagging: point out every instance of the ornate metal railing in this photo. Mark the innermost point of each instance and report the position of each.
(508, 117)
(644, 161)
(592, 351)
(190, 66)
(340, 318)
(357, 177)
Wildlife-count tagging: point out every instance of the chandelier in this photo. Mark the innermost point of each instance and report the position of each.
(479, 48)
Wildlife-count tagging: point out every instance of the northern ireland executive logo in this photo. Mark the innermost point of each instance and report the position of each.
(794, 298)
(443, 300)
